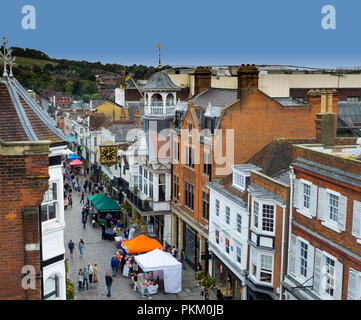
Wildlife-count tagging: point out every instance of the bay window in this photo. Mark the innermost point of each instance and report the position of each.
(49, 205)
(261, 266)
(263, 217)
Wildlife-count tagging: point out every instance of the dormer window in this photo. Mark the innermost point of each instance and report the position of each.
(239, 180)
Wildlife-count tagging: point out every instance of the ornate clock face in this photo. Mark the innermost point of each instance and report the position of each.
(109, 154)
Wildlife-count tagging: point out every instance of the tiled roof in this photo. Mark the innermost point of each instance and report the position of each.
(21, 118)
(216, 97)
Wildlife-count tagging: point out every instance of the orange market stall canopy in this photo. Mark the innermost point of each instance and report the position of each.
(141, 244)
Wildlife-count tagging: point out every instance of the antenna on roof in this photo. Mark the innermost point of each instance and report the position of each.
(158, 46)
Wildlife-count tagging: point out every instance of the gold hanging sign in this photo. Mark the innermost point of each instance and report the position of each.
(108, 155)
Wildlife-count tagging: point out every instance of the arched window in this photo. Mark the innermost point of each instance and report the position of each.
(170, 99)
(51, 288)
(157, 100)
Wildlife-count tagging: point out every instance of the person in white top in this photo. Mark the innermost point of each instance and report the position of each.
(91, 272)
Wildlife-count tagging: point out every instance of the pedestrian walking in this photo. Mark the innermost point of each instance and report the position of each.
(83, 220)
(86, 278)
(90, 186)
(91, 272)
(108, 282)
(84, 187)
(78, 189)
(108, 220)
(114, 263)
(126, 233)
(82, 197)
(70, 201)
(182, 259)
(95, 272)
(71, 248)
(166, 246)
(174, 252)
(81, 248)
(135, 280)
(80, 280)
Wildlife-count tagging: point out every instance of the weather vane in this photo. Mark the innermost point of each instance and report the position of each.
(159, 62)
(6, 57)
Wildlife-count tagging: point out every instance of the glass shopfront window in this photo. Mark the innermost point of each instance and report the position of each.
(190, 245)
(229, 285)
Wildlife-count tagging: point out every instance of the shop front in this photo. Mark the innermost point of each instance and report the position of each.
(229, 284)
(190, 244)
(154, 226)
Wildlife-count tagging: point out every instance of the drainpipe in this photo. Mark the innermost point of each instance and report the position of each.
(292, 181)
(282, 250)
(41, 253)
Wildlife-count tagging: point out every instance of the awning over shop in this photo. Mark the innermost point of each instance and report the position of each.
(104, 203)
(75, 163)
(141, 244)
(74, 156)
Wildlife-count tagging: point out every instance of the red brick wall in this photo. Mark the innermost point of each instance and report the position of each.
(24, 181)
(259, 119)
(344, 239)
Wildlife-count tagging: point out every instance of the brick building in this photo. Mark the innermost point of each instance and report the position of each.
(324, 245)
(255, 120)
(31, 195)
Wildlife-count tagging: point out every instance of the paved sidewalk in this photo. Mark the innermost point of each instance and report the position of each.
(100, 251)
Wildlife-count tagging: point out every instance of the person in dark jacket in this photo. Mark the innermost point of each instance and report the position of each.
(71, 248)
(108, 282)
(83, 219)
(114, 264)
(103, 231)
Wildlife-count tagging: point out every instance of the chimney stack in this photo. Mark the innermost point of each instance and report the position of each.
(326, 120)
(202, 79)
(247, 78)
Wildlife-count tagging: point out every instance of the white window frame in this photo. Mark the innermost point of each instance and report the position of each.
(259, 229)
(239, 222)
(215, 236)
(227, 216)
(356, 220)
(239, 180)
(326, 215)
(257, 260)
(47, 202)
(240, 254)
(217, 206)
(225, 244)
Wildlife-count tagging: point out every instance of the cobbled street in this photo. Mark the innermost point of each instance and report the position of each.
(100, 252)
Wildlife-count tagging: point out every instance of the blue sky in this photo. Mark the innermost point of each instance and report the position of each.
(195, 32)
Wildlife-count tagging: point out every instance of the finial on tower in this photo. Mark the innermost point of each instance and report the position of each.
(5, 56)
(159, 54)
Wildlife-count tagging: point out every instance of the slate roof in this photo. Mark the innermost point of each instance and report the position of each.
(159, 81)
(21, 118)
(121, 130)
(350, 111)
(289, 102)
(217, 97)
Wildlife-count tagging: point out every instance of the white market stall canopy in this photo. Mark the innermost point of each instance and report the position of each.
(159, 260)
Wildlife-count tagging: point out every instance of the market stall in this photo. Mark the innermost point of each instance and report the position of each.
(141, 244)
(158, 260)
(74, 156)
(76, 163)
